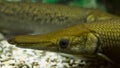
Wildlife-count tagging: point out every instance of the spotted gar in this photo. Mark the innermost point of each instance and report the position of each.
(37, 18)
(95, 38)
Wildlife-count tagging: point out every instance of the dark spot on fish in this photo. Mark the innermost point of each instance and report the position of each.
(13, 9)
(66, 18)
(47, 14)
(51, 20)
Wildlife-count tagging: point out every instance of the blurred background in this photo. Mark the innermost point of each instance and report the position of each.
(111, 6)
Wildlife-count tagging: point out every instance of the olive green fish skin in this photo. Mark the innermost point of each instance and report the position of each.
(86, 39)
(36, 18)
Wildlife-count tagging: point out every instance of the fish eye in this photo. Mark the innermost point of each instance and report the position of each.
(64, 43)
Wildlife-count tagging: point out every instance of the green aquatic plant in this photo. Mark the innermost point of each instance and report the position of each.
(50, 1)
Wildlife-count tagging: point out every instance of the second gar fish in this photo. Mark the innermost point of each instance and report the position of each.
(37, 18)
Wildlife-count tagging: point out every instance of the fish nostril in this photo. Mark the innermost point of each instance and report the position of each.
(11, 41)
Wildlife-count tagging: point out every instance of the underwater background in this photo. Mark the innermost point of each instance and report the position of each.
(14, 57)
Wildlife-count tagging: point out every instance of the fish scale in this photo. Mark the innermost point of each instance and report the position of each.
(109, 34)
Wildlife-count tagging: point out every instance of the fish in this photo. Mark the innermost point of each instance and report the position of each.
(20, 18)
(100, 38)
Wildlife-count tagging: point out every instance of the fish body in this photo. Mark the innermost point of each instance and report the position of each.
(101, 37)
(36, 18)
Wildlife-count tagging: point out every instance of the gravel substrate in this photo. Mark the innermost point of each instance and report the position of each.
(14, 57)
